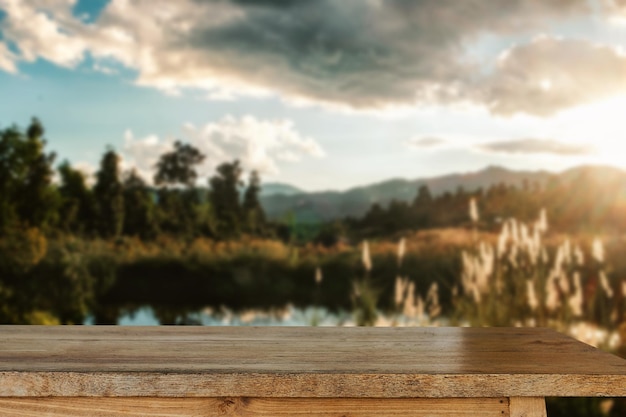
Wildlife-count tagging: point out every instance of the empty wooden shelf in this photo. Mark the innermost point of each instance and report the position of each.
(285, 371)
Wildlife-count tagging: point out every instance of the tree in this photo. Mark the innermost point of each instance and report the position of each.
(25, 179)
(109, 196)
(78, 210)
(37, 203)
(253, 214)
(373, 220)
(422, 207)
(178, 208)
(10, 171)
(139, 216)
(424, 197)
(331, 234)
(224, 197)
(178, 166)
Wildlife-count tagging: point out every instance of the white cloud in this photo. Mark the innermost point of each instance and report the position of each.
(98, 67)
(425, 142)
(549, 74)
(143, 153)
(258, 144)
(353, 53)
(7, 59)
(538, 146)
(261, 145)
(43, 29)
(88, 170)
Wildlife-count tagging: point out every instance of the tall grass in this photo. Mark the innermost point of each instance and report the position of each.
(521, 280)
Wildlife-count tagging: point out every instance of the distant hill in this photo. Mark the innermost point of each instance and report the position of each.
(328, 205)
(276, 188)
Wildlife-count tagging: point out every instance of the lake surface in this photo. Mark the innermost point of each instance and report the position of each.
(288, 316)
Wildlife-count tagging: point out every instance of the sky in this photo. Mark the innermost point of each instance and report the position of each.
(321, 94)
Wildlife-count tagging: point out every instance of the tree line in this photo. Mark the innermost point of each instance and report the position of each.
(122, 203)
(585, 200)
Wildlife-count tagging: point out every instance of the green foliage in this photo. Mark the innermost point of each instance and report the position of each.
(253, 214)
(41, 282)
(109, 196)
(224, 197)
(331, 234)
(365, 301)
(9, 139)
(139, 207)
(21, 250)
(61, 285)
(178, 211)
(178, 166)
(37, 201)
(259, 273)
(25, 179)
(77, 211)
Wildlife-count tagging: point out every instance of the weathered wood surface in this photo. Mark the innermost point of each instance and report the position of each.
(527, 407)
(253, 407)
(302, 362)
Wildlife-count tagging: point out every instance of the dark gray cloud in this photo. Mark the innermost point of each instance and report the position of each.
(362, 53)
(354, 53)
(537, 146)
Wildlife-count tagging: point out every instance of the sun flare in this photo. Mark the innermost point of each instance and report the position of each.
(602, 126)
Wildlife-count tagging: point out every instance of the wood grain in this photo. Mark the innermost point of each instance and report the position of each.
(253, 407)
(528, 407)
(302, 362)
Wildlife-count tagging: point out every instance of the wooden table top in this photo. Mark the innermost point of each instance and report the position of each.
(302, 362)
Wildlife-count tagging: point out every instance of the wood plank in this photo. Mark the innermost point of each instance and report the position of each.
(528, 407)
(253, 407)
(302, 362)
(113, 384)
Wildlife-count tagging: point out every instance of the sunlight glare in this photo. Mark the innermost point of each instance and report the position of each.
(602, 125)
(546, 84)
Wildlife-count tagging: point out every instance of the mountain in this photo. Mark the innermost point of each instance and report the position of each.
(328, 205)
(275, 188)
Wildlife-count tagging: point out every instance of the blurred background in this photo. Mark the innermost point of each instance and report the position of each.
(335, 163)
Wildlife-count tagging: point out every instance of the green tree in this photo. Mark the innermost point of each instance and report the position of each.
(178, 166)
(109, 196)
(77, 202)
(253, 214)
(26, 172)
(422, 207)
(139, 207)
(37, 200)
(178, 209)
(331, 234)
(10, 173)
(373, 221)
(224, 198)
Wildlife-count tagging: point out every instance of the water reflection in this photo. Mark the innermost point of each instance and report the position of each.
(288, 316)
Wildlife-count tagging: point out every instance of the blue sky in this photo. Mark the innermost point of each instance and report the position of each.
(324, 94)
